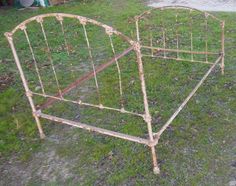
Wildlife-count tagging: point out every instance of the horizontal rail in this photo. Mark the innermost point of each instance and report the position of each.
(84, 78)
(158, 134)
(94, 129)
(180, 51)
(87, 104)
(178, 59)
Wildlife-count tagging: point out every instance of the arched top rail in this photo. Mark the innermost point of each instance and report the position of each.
(176, 7)
(59, 16)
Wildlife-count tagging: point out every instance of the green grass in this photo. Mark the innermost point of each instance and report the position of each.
(196, 150)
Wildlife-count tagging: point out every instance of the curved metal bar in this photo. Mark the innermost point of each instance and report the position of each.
(63, 15)
(175, 7)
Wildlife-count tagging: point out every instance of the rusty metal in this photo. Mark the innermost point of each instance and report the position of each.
(207, 52)
(158, 134)
(223, 47)
(181, 51)
(25, 84)
(177, 59)
(86, 77)
(94, 129)
(134, 46)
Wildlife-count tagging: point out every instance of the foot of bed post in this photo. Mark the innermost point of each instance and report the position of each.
(222, 68)
(156, 169)
(42, 136)
(41, 133)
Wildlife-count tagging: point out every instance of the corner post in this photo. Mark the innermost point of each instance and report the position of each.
(27, 90)
(147, 117)
(223, 47)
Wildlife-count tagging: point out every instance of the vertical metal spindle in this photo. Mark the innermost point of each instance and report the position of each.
(60, 19)
(33, 56)
(206, 35)
(223, 47)
(151, 44)
(177, 34)
(83, 22)
(191, 33)
(163, 35)
(109, 32)
(40, 21)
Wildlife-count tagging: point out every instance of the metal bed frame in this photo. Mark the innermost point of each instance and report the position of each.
(135, 46)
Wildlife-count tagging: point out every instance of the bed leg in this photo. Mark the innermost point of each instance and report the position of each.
(222, 65)
(156, 169)
(40, 129)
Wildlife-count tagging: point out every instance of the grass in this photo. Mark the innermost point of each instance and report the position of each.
(197, 150)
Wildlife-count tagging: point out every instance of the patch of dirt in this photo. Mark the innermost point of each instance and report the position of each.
(45, 166)
(5, 81)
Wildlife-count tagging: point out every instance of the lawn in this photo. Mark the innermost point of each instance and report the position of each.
(198, 149)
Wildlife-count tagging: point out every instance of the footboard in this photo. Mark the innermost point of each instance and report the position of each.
(182, 34)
